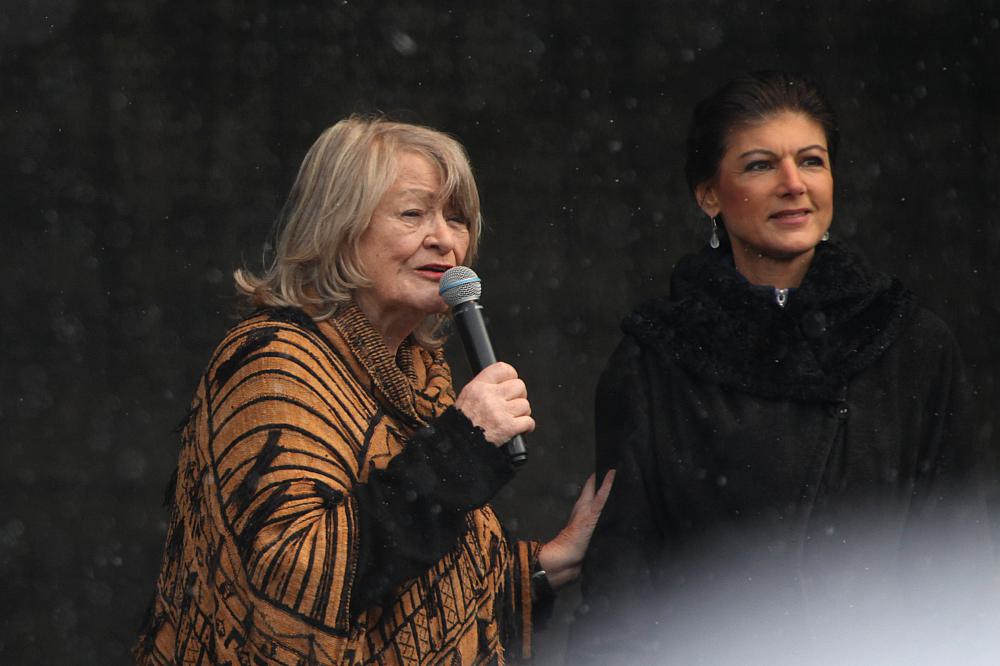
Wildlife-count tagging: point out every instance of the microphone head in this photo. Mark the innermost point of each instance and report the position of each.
(460, 284)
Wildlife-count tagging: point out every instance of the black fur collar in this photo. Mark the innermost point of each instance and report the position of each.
(729, 332)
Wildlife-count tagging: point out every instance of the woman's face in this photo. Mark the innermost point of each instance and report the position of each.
(413, 238)
(774, 188)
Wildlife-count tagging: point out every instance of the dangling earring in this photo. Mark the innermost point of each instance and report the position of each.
(825, 237)
(713, 241)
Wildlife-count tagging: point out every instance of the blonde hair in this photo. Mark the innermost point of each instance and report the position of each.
(340, 183)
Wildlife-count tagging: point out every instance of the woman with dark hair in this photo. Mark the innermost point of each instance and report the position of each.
(331, 501)
(781, 405)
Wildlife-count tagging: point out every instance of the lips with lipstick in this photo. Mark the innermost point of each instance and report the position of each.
(433, 271)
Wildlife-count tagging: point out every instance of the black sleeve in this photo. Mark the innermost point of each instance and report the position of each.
(948, 494)
(621, 565)
(412, 512)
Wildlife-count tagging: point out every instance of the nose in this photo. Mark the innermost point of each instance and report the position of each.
(440, 236)
(790, 180)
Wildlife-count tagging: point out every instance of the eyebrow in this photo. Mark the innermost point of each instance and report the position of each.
(764, 151)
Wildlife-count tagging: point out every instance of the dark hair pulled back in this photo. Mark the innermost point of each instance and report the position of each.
(745, 100)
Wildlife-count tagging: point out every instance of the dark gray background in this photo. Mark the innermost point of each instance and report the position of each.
(147, 146)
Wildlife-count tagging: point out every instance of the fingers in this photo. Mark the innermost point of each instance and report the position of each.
(562, 556)
(585, 497)
(504, 376)
(520, 425)
(601, 498)
(513, 389)
(590, 503)
(518, 407)
(496, 400)
(497, 372)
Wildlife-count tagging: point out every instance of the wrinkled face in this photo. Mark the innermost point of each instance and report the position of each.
(413, 237)
(774, 187)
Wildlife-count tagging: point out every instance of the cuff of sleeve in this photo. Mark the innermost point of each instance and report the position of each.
(525, 562)
(543, 595)
(460, 468)
(455, 427)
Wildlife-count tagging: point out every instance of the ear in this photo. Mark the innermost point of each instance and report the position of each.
(707, 198)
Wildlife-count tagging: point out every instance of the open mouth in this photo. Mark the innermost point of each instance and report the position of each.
(435, 270)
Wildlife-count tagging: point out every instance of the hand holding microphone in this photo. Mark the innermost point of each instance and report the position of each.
(496, 400)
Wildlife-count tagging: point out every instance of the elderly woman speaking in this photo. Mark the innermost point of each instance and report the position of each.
(331, 498)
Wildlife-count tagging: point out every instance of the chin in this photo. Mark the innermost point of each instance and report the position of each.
(431, 309)
(793, 247)
(787, 252)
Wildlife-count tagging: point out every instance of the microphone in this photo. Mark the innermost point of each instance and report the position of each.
(461, 288)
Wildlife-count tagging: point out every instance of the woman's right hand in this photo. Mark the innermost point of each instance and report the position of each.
(496, 400)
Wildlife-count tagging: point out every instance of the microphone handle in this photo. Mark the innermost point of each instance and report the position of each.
(475, 338)
(472, 329)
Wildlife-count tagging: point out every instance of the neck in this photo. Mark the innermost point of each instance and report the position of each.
(393, 326)
(759, 269)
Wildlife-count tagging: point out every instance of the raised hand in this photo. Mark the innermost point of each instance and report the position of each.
(562, 557)
(496, 400)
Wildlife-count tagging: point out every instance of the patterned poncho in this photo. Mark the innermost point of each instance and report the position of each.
(331, 507)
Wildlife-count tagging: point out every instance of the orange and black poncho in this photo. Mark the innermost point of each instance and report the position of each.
(331, 507)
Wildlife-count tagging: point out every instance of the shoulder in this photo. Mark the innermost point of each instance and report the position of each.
(649, 324)
(691, 310)
(924, 358)
(282, 341)
(627, 357)
(926, 333)
(278, 377)
(627, 351)
(640, 359)
(928, 324)
(650, 336)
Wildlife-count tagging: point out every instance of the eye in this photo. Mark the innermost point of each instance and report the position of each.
(757, 165)
(813, 161)
(457, 220)
(412, 213)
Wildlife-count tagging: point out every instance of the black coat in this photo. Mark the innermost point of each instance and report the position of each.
(757, 445)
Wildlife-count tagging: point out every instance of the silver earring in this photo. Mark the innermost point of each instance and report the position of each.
(713, 241)
(825, 236)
